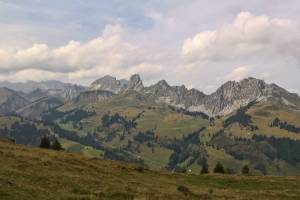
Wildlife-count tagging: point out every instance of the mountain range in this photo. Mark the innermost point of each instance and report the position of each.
(227, 98)
(163, 126)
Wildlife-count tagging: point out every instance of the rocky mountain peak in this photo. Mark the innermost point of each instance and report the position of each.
(112, 84)
(104, 80)
(135, 77)
(160, 88)
(249, 87)
(135, 83)
(232, 95)
(108, 77)
(163, 83)
(108, 83)
(227, 98)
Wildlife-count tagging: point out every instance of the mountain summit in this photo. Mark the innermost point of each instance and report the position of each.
(111, 84)
(227, 98)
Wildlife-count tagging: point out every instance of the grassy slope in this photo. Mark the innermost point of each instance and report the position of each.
(74, 147)
(159, 117)
(32, 173)
(262, 114)
(167, 123)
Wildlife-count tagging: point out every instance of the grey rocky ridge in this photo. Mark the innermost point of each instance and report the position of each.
(94, 96)
(111, 84)
(33, 90)
(230, 96)
(227, 98)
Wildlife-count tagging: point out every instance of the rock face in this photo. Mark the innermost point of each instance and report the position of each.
(10, 101)
(68, 93)
(229, 97)
(135, 83)
(178, 96)
(111, 84)
(94, 96)
(232, 95)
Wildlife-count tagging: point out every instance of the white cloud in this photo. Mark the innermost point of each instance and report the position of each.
(293, 90)
(248, 36)
(107, 54)
(155, 49)
(31, 74)
(239, 73)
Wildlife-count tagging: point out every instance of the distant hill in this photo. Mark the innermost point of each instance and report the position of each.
(64, 91)
(35, 109)
(10, 101)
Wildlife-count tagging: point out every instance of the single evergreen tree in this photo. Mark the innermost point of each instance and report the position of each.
(212, 121)
(219, 168)
(204, 169)
(56, 145)
(45, 142)
(245, 170)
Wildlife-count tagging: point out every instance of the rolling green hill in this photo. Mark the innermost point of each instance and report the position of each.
(33, 173)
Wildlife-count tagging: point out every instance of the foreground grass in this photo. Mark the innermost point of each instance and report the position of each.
(32, 173)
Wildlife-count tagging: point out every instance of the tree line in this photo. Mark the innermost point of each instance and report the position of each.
(46, 143)
(242, 118)
(284, 125)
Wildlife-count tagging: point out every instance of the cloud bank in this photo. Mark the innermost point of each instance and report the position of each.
(247, 37)
(106, 54)
(174, 42)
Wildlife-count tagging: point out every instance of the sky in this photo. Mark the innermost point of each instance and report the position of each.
(198, 43)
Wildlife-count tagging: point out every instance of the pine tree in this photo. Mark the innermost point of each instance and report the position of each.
(45, 142)
(204, 169)
(219, 168)
(56, 145)
(245, 170)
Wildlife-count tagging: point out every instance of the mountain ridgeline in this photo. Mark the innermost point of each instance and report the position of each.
(226, 99)
(249, 122)
(229, 97)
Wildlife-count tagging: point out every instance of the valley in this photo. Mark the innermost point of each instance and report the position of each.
(159, 127)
